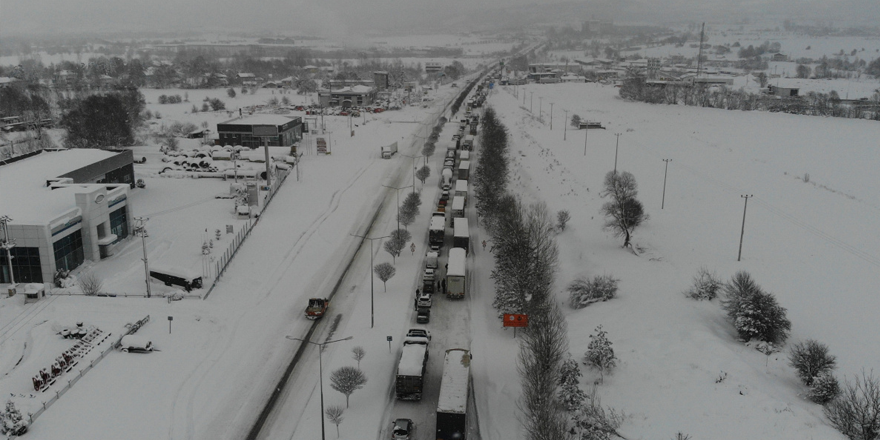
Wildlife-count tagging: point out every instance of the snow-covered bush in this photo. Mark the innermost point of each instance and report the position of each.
(811, 359)
(600, 354)
(583, 291)
(593, 421)
(90, 284)
(570, 394)
(754, 313)
(825, 388)
(562, 218)
(706, 285)
(856, 411)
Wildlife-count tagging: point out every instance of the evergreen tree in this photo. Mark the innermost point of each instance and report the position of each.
(600, 354)
(570, 394)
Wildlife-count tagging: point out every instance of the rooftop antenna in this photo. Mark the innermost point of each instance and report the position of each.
(700, 54)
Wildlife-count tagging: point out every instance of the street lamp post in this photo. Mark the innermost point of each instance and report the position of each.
(531, 100)
(540, 107)
(414, 169)
(140, 229)
(372, 309)
(743, 232)
(586, 132)
(320, 372)
(398, 201)
(551, 116)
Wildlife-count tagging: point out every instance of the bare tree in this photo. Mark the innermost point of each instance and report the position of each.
(623, 212)
(856, 412)
(393, 247)
(347, 380)
(384, 271)
(90, 284)
(334, 415)
(358, 354)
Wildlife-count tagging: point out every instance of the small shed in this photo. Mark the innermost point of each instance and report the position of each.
(34, 292)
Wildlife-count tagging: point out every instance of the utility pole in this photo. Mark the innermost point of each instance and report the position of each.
(743, 232)
(662, 203)
(565, 126)
(531, 100)
(540, 107)
(617, 144)
(551, 116)
(140, 229)
(586, 131)
(8, 244)
(372, 309)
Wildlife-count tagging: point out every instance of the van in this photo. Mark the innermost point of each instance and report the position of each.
(446, 179)
(135, 344)
(185, 278)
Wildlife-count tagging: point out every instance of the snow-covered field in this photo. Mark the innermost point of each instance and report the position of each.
(807, 242)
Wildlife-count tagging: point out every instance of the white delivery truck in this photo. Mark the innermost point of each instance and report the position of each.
(456, 275)
(464, 168)
(389, 151)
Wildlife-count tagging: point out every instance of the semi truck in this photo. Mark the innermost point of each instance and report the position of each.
(457, 206)
(461, 235)
(461, 189)
(452, 404)
(412, 368)
(389, 150)
(468, 143)
(456, 273)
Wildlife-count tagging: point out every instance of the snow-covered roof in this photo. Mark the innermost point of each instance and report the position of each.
(437, 224)
(454, 385)
(457, 203)
(412, 359)
(465, 164)
(24, 195)
(460, 227)
(456, 262)
(259, 120)
(461, 186)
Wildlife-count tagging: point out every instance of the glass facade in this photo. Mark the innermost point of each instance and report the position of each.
(25, 265)
(69, 251)
(119, 224)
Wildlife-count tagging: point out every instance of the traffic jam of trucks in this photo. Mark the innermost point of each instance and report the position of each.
(450, 279)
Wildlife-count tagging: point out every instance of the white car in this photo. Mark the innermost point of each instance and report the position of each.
(425, 300)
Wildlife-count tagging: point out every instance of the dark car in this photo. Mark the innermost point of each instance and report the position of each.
(423, 315)
(402, 429)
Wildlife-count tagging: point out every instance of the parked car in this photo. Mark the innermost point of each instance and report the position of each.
(135, 344)
(425, 300)
(402, 429)
(423, 315)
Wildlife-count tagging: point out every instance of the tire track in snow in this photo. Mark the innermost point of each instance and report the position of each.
(218, 352)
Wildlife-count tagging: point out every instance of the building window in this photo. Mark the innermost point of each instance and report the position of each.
(25, 265)
(119, 224)
(69, 251)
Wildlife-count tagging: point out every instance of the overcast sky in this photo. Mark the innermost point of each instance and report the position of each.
(347, 19)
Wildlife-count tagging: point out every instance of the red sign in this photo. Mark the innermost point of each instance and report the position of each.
(516, 320)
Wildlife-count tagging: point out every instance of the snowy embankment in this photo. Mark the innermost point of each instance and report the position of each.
(812, 179)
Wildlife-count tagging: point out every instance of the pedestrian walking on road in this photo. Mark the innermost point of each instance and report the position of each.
(443, 285)
(484, 245)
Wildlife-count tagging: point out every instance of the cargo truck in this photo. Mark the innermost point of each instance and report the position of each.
(389, 151)
(412, 368)
(461, 235)
(456, 274)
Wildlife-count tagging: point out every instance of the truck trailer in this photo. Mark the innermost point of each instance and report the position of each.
(412, 368)
(461, 235)
(452, 406)
(456, 273)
